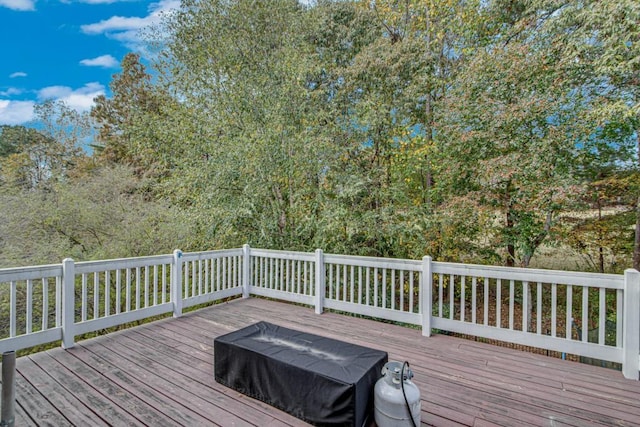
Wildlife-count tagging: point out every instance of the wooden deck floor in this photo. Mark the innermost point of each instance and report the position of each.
(161, 374)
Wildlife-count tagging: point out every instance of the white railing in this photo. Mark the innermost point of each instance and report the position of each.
(585, 314)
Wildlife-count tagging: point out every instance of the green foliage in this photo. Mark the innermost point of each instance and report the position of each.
(470, 131)
(104, 215)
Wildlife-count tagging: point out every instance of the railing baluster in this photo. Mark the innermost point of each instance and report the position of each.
(525, 306)
(360, 299)
(402, 290)
(375, 287)
(499, 303)
(58, 301)
(237, 271)
(13, 296)
(164, 283)
(485, 301)
(368, 286)
(585, 314)
(307, 271)
(619, 316)
(137, 294)
(29, 314)
(393, 289)
(452, 301)
(84, 303)
(207, 289)
(440, 293)
(554, 310)
(539, 308)
(569, 314)
(602, 316)
(511, 301)
(107, 292)
(155, 285)
(345, 284)
(463, 298)
(200, 277)
(147, 283)
(45, 303)
(96, 294)
(194, 278)
(338, 282)
(474, 285)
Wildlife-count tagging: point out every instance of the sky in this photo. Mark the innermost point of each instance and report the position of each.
(66, 49)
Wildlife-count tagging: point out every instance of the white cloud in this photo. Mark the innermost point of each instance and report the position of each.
(99, 1)
(23, 5)
(17, 74)
(104, 61)
(116, 26)
(20, 112)
(79, 99)
(11, 91)
(15, 112)
(92, 1)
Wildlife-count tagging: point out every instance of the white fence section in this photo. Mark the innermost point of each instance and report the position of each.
(585, 314)
(30, 306)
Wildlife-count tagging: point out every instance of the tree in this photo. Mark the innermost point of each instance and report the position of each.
(30, 158)
(134, 122)
(507, 138)
(251, 164)
(600, 42)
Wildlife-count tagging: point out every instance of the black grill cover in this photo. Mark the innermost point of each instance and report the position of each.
(322, 381)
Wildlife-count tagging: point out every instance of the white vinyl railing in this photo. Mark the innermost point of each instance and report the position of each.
(585, 314)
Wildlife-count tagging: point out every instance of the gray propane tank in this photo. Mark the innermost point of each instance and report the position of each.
(389, 398)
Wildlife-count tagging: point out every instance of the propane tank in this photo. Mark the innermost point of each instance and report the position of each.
(396, 399)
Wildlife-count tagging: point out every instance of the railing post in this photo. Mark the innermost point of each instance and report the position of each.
(631, 324)
(320, 282)
(176, 283)
(246, 270)
(68, 302)
(425, 295)
(7, 419)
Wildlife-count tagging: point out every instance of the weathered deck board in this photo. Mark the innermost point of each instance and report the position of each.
(162, 374)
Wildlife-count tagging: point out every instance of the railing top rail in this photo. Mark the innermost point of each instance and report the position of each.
(610, 281)
(113, 264)
(195, 256)
(291, 255)
(364, 261)
(30, 273)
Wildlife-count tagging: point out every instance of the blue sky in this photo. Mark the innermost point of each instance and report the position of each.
(66, 49)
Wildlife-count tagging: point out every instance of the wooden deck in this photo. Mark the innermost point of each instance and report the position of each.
(161, 374)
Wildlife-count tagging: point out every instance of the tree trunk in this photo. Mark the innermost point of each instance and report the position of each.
(600, 238)
(511, 249)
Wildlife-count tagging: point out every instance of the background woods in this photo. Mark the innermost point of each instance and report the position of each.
(476, 131)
